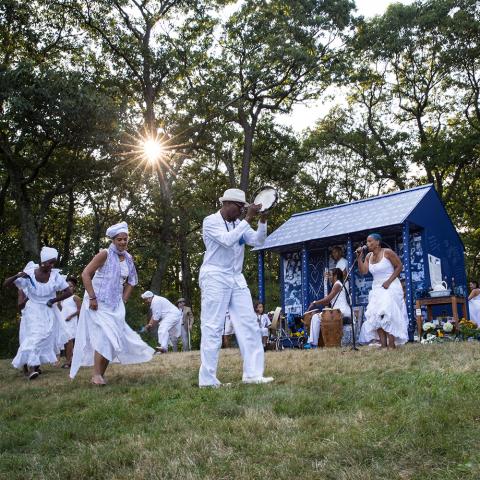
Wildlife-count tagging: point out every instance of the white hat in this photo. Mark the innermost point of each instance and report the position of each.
(116, 229)
(48, 253)
(234, 195)
(147, 294)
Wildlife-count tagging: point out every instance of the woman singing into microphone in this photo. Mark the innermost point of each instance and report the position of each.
(385, 313)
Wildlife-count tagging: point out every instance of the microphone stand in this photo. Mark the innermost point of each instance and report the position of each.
(347, 294)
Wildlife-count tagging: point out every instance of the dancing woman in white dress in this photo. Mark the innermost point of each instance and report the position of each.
(385, 313)
(474, 303)
(103, 335)
(41, 329)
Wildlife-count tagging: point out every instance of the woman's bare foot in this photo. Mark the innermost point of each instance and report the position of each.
(98, 380)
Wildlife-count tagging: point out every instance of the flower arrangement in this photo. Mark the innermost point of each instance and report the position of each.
(428, 327)
(468, 329)
(448, 327)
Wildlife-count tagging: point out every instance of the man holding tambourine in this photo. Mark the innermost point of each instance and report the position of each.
(224, 288)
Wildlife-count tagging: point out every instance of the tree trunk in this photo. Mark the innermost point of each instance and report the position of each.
(165, 235)
(185, 265)
(28, 225)
(248, 132)
(69, 229)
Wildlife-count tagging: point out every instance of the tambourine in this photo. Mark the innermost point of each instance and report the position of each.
(267, 196)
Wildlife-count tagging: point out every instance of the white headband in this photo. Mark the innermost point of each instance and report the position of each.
(116, 229)
(48, 253)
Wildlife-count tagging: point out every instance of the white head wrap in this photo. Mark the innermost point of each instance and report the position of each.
(114, 230)
(48, 253)
(147, 294)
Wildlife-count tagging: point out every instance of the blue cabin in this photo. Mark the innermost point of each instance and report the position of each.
(413, 223)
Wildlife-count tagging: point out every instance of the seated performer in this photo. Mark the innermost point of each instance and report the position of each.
(169, 316)
(224, 288)
(474, 303)
(337, 298)
(263, 322)
(385, 313)
(40, 322)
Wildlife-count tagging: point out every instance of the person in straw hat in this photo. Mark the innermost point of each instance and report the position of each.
(103, 335)
(223, 288)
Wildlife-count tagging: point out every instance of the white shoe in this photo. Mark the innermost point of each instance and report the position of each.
(258, 380)
(217, 385)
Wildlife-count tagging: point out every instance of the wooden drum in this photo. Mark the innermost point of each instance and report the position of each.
(332, 327)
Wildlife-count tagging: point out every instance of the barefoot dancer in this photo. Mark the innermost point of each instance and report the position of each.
(385, 313)
(103, 336)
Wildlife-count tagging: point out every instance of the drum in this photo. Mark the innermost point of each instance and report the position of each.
(267, 196)
(332, 327)
(307, 317)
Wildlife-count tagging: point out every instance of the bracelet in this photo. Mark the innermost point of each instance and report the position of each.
(92, 298)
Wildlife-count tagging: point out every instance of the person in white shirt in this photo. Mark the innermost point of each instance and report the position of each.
(336, 297)
(223, 288)
(340, 261)
(169, 316)
(263, 322)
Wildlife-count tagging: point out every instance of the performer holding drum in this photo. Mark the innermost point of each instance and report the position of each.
(224, 288)
(336, 297)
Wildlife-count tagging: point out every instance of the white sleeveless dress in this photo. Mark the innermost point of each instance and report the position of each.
(386, 307)
(341, 303)
(105, 331)
(474, 309)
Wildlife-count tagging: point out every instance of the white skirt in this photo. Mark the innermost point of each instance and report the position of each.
(385, 310)
(474, 309)
(105, 331)
(39, 334)
(70, 327)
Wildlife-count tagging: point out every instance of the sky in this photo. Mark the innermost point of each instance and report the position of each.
(306, 115)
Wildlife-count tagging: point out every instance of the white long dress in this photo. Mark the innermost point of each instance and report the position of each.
(386, 307)
(68, 308)
(105, 331)
(41, 329)
(474, 309)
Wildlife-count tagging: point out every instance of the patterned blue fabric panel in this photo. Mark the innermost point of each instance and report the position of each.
(292, 283)
(358, 216)
(316, 269)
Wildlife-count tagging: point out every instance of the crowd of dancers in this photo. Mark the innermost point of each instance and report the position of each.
(93, 332)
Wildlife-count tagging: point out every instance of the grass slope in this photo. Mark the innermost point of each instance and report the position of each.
(409, 414)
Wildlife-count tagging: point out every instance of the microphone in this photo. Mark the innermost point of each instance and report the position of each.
(362, 249)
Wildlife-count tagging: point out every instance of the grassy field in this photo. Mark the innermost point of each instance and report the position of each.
(409, 414)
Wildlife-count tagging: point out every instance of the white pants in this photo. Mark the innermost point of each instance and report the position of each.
(169, 328)
(314, 329)
(218, 297)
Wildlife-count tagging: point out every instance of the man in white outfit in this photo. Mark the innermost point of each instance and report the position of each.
(167, 314)
(224, 288)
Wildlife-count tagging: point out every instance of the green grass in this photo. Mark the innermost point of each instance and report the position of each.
(409, 414)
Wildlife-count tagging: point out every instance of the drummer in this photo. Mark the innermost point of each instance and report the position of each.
(337, 298)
